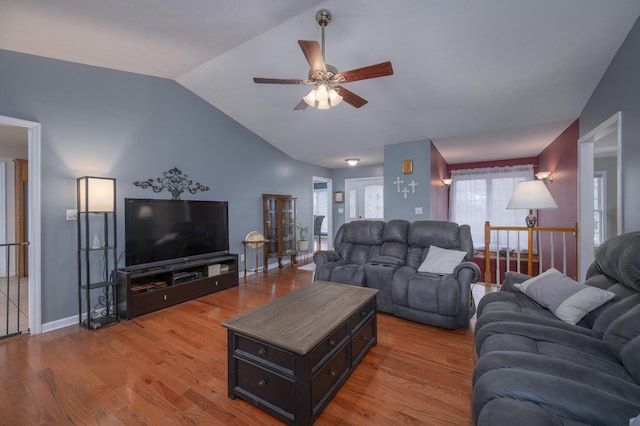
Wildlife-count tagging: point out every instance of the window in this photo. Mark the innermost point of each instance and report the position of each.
(480, 195)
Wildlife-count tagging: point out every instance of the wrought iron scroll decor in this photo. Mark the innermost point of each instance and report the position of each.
(174, 181)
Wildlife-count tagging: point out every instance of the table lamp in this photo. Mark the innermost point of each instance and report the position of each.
(532, 194)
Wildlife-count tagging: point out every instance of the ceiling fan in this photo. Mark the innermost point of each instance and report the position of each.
(327, 80)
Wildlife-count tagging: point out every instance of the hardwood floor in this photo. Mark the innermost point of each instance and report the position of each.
(170, 367)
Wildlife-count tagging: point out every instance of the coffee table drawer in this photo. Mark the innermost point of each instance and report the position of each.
(361, 341)
(332, 342)
(266, 385)
(265, 353)
(328, 376)
(363, 313)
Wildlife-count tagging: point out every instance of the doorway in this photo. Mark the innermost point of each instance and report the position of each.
(322, 231)
(33, 222)
(601, 146)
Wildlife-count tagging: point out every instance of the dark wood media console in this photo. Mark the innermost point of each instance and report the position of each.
(143, 291)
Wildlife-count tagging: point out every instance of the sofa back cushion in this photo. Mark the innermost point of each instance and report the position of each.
(394, 239)
(446, 235)
(618, 258)
(622, 331)
(358, 241)
(611, 311)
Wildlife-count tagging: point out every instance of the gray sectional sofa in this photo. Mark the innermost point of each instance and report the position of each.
(535, 369)
(392, 257)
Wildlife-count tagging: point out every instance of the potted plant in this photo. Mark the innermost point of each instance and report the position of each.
(303, 244)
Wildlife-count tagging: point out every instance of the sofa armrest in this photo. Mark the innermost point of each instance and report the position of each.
(325, 256)
(511, 278)
(464, 268)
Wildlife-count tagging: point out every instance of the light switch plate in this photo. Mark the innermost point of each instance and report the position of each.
(418, 210)
(72, 214)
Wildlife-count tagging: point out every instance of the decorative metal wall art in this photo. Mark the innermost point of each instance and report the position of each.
(405, 191)
(174, 181)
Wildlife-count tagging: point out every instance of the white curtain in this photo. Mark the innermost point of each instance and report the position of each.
(480, 195)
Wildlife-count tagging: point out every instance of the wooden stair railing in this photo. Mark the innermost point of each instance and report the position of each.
(530, 253)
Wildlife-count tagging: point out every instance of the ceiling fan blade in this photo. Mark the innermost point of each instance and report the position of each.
(278, 80)
(350, 97)
(372, 71)
(313, 53)
(301, 105)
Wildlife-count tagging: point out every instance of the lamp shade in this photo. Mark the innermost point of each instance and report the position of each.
(531, 194)
(96, 194)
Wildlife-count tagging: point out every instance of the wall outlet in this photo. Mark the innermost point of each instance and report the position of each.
(72, 214)
(418, 210)
(242, 258)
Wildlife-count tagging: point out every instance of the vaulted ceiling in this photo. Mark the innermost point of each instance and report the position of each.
(483, 79)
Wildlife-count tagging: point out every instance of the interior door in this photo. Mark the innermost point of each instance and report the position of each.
(364, 199)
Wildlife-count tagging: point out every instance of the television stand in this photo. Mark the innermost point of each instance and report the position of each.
(146, 290)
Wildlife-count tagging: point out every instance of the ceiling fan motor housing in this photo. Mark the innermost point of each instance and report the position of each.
(323, 17)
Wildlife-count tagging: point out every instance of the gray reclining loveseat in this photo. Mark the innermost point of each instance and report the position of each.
(390, 256)
(535, 369)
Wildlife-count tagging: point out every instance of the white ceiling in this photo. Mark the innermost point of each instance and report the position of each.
(483, 79)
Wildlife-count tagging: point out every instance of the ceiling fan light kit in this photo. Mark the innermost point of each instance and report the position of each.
(327, 92)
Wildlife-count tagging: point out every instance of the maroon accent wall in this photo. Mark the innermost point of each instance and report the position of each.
(561, 159)
(439, 195)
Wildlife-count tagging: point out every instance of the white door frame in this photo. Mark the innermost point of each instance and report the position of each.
(585, 188)
(329, 217)
(34, 220)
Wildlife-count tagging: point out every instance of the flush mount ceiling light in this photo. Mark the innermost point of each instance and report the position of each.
(352, 161)
(325, 78)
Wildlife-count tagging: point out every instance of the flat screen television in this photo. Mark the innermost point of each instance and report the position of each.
(161, 232)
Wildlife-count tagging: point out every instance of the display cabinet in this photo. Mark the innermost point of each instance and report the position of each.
(279, 227)
(97, 258)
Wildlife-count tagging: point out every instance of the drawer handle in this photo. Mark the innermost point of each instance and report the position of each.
(332, 342)
(262, 383)
(363, 313)
(262, 352)
(332, 373)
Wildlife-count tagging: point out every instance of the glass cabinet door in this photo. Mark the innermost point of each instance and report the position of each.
(271, 226)
(288, 226)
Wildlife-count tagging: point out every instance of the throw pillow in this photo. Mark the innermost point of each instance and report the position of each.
(566, 298)
(441, 261)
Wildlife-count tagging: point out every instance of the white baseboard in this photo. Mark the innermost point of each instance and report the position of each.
(274, 265)
(61, 323)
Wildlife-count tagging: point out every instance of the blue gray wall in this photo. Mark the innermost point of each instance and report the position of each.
(132, 127)
(396, 206)
(619, 90)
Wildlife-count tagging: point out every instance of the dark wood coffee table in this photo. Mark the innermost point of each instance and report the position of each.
(290, 356)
